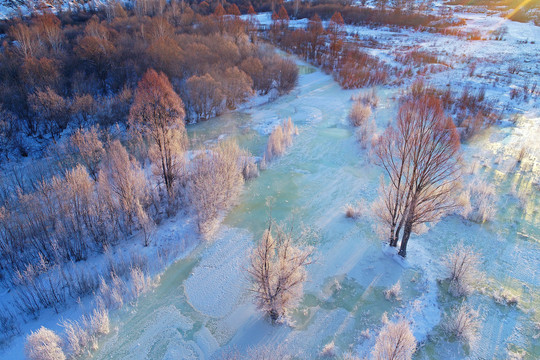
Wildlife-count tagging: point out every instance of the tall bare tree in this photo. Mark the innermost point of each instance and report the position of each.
(158, 113)
(278, 271)
(420, 156)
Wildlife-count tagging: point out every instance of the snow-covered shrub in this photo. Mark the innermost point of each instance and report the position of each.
(505, 297)
(463, 323)
(112, 293)
(395, 341)
(82, 335)
(354, 211)
(80, 281)
(481, 207)
(44, 344)
(280, 139)
(249, 167)
(99, 320)
(359, 114)
(278, 272)
(462, 265)
(393, 292)
(329, 350)
(365, 133)
(369, 98)
(78, 337)
(140, 282)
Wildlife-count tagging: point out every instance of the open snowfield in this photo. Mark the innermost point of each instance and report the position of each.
(202, 306)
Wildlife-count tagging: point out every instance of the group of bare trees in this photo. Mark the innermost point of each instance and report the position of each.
(420, 157)
(73, 70)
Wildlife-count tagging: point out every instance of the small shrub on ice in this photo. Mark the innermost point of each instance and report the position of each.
(393, 292)
(505, 297)
(329, 350)
(462, 265)
(395, 341)
(280, 139)
(463, 323)
(359, 114)
(44, 344)
(354, 211)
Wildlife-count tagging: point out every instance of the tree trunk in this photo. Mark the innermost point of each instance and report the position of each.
(408, 228)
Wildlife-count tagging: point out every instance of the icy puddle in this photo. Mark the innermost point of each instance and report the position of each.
(202, 306)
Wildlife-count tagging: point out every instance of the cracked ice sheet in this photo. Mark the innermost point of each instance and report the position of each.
(217, 283)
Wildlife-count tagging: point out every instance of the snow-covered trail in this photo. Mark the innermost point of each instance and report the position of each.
(202, 305)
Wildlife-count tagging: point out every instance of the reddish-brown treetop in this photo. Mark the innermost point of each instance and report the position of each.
(282, 14)
(337, 18)
(219, 11)
(233, 10)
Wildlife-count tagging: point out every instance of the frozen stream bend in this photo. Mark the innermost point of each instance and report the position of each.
(202, 304)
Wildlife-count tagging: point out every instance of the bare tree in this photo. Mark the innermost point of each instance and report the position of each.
(52, 110)
(395, 342)
(462, 266)
(278, 272)
(420, 155)
(158, 112)
(127, 182)
(215, 181)
(463, 323)
(89, 148)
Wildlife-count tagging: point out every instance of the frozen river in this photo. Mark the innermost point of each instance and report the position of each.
(202, 305)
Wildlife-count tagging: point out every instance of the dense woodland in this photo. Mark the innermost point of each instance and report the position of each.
(81, 68)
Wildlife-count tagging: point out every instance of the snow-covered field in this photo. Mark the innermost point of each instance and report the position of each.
(202, 306)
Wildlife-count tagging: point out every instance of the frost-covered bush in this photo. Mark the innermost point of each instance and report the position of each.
(329, 350)
(280, 139)
(82, 335)
(365, 133)
(369, 98)
(78, 337)
(140, 282)
(354, 211)
(393, 292)
(112, 293)
(359, 114)
(43, 344)
(395, 341)
(505, 297)
(463, 323)
(481, 206)
(462, 265)
(38, 287)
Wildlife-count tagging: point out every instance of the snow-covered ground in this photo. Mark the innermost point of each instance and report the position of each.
(202, 305)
